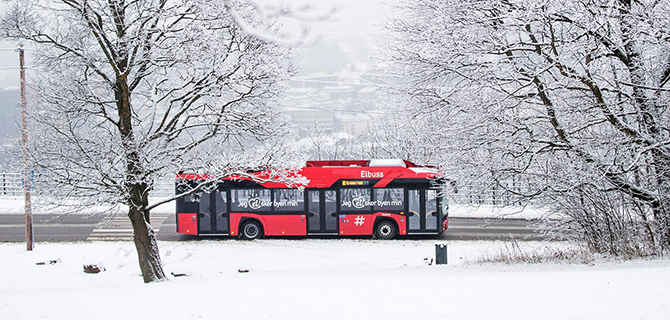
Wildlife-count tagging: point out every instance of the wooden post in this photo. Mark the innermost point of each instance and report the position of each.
(24, 144)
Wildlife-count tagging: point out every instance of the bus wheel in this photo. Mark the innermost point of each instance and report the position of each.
(251, 230)
(386, 230)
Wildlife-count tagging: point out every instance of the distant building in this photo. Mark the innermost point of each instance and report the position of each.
(305, 121)
(338, 103)
(355, 124)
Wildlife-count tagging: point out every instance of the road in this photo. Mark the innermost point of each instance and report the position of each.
(48, 228)
(492, 229)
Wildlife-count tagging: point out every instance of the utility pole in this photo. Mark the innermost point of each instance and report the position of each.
(24, 144)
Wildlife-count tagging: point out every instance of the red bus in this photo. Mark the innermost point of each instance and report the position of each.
(384, 198)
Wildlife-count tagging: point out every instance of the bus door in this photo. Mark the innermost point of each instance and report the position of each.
(322, 212)
(431, 215)
(213, 213)
(422, 215)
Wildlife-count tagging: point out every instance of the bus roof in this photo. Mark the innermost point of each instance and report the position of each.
(326, 174)
(366, 163)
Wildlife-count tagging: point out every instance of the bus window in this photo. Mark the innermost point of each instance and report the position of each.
(414, 219)
(355, 199)
(389, 199)
(431, 210)
(250, 200)
(444, 205)
(289, 200)
(193, 197)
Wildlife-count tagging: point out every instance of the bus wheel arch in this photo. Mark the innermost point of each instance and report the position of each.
(385, 229)
(250, 229)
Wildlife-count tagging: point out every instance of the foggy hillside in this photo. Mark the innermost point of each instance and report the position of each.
(9, 121)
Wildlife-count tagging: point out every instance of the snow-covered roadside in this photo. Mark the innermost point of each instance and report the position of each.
(322, 279)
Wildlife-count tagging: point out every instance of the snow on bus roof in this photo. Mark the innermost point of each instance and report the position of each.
(424, 169)
(365, 163)
(336, 163)
(387, 163)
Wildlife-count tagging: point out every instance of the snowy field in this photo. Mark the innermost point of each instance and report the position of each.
(323, 279)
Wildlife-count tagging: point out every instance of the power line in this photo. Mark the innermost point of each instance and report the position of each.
(362, 83)
(18, 68)
(14, 49)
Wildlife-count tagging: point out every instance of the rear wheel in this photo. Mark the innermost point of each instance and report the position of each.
(251, 230)
(386, 230)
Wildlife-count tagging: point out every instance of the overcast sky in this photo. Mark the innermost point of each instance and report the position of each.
(9, 66)
(354, 23)
(354, 18)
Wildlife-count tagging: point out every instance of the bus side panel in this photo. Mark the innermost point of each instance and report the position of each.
(285, 225)
(187, 223)
(235, 219)
(402, 224)
(273, 225)
(356, 224)
(398, 218)
(445, 224)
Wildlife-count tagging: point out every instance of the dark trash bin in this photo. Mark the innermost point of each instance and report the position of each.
(440, 254)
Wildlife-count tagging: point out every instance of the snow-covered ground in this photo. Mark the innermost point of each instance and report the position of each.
(323, 279)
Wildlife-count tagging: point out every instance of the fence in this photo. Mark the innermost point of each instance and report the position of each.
(11, 185)
(485, 196)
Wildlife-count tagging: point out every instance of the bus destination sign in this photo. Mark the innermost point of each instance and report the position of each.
(357, 183)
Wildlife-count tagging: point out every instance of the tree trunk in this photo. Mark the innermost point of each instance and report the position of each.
(137, 188)
(144, 236)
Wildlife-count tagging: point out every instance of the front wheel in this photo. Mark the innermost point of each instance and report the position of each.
(251, 230)
(386, 230)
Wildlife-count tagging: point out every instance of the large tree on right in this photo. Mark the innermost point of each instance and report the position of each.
(561, 99)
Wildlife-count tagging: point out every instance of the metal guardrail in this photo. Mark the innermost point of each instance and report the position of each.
(489, 195)
(484, 198)
(163, 188)
(11, 185)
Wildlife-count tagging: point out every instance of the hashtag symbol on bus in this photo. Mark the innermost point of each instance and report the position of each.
(359, 221)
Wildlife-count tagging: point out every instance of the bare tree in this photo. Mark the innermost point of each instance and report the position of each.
(560, 95)
(325, 144)
(317, 136)
(131, 91)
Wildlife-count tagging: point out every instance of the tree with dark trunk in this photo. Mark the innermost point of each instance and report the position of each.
(130, 92)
